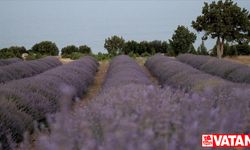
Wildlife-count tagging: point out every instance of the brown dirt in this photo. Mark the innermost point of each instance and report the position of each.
(94, 89)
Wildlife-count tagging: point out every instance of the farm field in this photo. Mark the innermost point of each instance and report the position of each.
(124, 75)
(145, 103)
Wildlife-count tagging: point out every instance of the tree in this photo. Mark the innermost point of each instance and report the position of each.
(45, 48)
(226, 48)
(114, 45)
(243, 49)
(143, 47)
(130, 47)
(85, 49)
(224, 21)
(182, 39)
(13, 51)
(202, 50)
(192, 49)
(69, 50)
(164, 47)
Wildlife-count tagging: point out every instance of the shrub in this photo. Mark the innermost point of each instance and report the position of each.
(101, 56)
(243, 49)
(179, 75)
(222, 68)
(124, 70)
(199, 60)
(140, 116)
(27, 68)
(39, 95)
(9, 61)
(13, 51)
(145, 54)
(14, 120)
(76, 55)
(85, 49)
(74, 52)
(34, 56)
(69, 50)
(46, 48)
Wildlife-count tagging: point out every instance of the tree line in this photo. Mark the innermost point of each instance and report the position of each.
(222, 20)
(45, 48)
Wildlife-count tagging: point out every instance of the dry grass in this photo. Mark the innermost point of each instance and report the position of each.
(65, 60)
(239, 59)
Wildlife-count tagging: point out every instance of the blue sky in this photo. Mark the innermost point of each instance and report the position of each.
(26, 22)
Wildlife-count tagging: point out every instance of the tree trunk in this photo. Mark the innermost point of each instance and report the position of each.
(220, 47)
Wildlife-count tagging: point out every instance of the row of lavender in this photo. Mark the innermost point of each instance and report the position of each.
(226, 105)
(226, 69)
(120, 117)
(124, 70)
(9, 61)
(137, 114)
(23, 101)
(179, 75)
(25, 69)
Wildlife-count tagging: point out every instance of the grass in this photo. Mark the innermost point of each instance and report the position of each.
(239, 59)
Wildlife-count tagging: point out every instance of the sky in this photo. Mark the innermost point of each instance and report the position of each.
(79, 22)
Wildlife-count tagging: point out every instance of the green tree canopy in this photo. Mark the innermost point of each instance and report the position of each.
(182, 40)
(131, 47)
(85, 49)
(69, 50)
(45, 48)
(145, 47)
(114, 45)
(225, 21)
(13, 51)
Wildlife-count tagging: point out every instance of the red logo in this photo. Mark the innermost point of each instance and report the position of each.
(226, 140)
(207, 140)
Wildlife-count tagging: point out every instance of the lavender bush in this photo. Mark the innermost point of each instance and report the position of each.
(180, 75)
(39, 95)
(27, 68)
(139, 116)
(222, 68)
(9, 61)
(197, 63)
(124, 70)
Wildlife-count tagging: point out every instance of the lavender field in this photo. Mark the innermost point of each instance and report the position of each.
(161, 104)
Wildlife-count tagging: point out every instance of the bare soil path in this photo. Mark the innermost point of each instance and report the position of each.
(94, 89)
(141, 61)
(239, 59)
